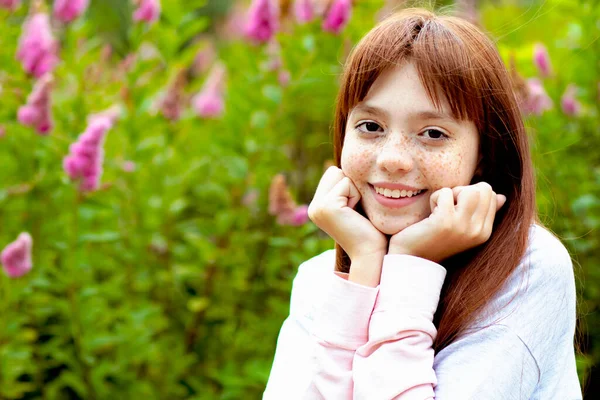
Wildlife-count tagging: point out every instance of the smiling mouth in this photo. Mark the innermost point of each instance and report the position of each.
(397, 193)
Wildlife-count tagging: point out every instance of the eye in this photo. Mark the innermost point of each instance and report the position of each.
(435, 134)
(369, 127)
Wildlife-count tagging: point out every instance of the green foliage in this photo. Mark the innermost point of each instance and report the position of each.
(166, 284)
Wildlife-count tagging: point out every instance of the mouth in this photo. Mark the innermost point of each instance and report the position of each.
(396, 198)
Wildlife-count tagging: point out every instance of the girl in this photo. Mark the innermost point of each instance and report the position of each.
(432, 210)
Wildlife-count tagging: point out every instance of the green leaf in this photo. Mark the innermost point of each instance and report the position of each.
(100, 237)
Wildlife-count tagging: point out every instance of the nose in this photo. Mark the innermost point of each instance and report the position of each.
(395, 156)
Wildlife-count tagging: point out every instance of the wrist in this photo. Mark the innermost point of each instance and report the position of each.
(396, 249)
(366, 270)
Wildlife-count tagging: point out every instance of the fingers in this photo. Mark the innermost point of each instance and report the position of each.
(468, 201)
(334, 192)
(495, 205)
(500, 201)
(442, 201)
(343, 194)
(476, 208)
(491, 216)
(330, 178)
(478, 205)
(485, 195)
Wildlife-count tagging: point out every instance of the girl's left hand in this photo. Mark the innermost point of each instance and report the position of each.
(451, 228)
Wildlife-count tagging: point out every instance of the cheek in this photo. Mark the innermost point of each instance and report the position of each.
(448, 167)
(356, 160)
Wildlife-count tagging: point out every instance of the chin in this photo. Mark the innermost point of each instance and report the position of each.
(392, 227)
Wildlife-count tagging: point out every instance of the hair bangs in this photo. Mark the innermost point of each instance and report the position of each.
(450, 68)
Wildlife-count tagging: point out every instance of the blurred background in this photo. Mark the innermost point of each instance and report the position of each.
(157, 159)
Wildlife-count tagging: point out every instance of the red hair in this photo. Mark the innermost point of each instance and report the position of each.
(460, 65)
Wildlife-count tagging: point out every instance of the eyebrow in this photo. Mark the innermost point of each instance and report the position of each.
(425, 114)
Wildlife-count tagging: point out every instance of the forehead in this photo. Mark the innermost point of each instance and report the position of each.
(400, 90)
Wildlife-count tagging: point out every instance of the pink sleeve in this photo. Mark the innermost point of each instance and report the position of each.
(339, 329)
(385, 352)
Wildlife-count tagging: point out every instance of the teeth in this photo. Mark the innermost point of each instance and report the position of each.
(396, 193)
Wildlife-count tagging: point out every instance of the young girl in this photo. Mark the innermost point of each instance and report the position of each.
(432, 210)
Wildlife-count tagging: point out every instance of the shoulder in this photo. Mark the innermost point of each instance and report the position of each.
(536, 307)
(546, 270)
(546, 252)
(316, 266)
(309, 284)
(543, 277)
(538, 301)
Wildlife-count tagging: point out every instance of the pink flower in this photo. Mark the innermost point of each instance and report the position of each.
(147, 11)
(204, 58)
(172, 103)
(112, 114)
(10, 4)
(569, 103)
(86, 155)
(209, 103)
(300, 216)
(537, 100)
(284, 77)
(283, 206)
(38, 50)
(2, 131)
(274, 60)
(128, 166)
(16, 257)
(304, 11)
(250, 199)
(280, 198)
(263, 20)
(541, 59)
(337, 16)
(233, 26)
(69, 10)
(37, 111)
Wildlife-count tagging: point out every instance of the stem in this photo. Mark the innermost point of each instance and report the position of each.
(191, 332)
(76, 326)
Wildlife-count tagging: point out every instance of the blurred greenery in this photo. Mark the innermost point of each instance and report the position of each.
(171, 282)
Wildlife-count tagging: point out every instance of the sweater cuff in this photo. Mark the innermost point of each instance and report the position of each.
(410, 283)
(343, 319)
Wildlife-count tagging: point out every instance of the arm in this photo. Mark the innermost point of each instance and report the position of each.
(397, 360)
(316, 343)
(360, 352)
(341, 327)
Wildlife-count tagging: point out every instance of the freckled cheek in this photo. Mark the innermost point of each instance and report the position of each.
(356, 161)
(445, 168)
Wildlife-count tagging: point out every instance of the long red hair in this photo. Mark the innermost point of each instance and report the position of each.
(459, 62)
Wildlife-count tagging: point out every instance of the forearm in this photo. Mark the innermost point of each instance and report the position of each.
(397, 360)
(339, 328)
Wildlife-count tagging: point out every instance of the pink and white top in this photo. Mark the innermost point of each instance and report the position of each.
(347, 341)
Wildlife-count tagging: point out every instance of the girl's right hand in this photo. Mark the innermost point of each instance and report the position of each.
(332, 210)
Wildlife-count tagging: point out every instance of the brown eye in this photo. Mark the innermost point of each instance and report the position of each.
(435, 134)
(369, 127)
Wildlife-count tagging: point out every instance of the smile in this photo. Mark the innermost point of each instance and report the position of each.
(396, 193)
(387, 197)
